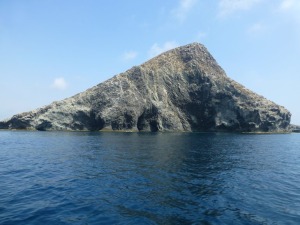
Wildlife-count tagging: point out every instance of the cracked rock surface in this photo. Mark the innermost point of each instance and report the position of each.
(183, 89)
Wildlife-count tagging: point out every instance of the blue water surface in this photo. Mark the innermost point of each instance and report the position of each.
(148, 178)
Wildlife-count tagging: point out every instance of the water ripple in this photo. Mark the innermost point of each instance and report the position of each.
(141, 178)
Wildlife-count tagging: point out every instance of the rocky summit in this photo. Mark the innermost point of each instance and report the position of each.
(183, 89)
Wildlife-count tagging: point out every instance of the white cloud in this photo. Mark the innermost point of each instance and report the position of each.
(287, 5)
(183, 9)
(255, 28)
(291, 8)
(227, 7)
(156, 49)
(130, 55)
(59, 83)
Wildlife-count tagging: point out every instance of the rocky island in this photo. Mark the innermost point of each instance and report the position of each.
(183, 89)
(295, 128)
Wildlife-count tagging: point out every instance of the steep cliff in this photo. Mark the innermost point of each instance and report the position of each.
(183, 89)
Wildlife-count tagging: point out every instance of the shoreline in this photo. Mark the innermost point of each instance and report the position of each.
(137, 131)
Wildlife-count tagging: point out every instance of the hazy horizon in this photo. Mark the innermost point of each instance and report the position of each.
(51, 50)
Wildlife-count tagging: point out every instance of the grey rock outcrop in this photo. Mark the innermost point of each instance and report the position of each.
(183, 89)
(295, 128)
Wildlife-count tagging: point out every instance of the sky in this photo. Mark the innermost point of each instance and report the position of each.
(53, 49)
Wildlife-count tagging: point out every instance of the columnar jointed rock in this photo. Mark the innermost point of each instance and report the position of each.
(183, 89)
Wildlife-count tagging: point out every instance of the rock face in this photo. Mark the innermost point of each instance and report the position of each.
(183, 89)
(295, 128)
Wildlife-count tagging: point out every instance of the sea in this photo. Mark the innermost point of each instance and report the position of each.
(148, 178)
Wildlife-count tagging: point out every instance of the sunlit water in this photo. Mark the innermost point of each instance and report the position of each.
(149, 178)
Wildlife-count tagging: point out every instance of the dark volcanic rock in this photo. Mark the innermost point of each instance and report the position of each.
(183, 89)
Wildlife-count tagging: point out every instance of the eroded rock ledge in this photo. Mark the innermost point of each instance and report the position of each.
(183, 89)
(295, 128)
